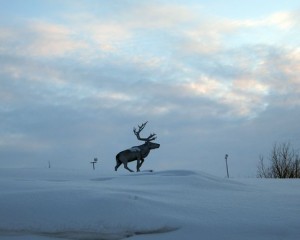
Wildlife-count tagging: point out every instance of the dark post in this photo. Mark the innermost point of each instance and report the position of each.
(226, 156)
(95, 161)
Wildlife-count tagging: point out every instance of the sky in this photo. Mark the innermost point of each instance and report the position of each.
(210, 77)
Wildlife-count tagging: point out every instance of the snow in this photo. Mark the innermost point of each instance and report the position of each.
(49, 204)
(135, 149)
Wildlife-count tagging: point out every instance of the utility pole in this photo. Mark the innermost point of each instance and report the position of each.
(226, 156)
(95, 161)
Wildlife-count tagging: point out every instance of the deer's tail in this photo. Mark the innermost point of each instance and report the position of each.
(117, 157)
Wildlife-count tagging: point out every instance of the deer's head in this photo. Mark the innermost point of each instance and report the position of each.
(147, 140)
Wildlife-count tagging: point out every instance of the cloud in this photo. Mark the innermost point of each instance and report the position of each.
(243, 98)
(282, 72)
(244, 93)
(41, 39)
(284, 20)
(52, 40)
(162, 16)
(22, 142)
(78, 85)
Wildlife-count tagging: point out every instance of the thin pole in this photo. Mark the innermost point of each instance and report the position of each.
(95, 161)
(226, 156)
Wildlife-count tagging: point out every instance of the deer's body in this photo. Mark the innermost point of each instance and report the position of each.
(137, 153)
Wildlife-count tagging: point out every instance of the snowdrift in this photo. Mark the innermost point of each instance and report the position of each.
(73, 204)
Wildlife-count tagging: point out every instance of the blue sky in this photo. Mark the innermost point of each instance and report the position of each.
(211, 77)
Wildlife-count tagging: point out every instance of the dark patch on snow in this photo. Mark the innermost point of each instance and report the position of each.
(102, 179)
(175, 173)
(178, 173)
(86, 235)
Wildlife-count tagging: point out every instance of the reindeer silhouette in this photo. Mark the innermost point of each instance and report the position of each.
(138, 153)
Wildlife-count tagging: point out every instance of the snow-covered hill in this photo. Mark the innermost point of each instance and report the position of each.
(73, 204)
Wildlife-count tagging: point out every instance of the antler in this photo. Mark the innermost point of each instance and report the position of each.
(137, 133)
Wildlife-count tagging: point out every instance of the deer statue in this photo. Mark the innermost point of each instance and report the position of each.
(138, 153)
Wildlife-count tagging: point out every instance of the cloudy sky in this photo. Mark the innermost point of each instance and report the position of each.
(211, 77)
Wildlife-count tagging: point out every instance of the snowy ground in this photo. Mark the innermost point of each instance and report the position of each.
(42, 204)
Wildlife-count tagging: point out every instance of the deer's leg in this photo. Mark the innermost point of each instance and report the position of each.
(142, 161)
(125, 166)
(138, 165)
(118, 165)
